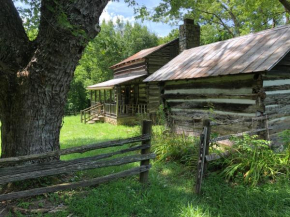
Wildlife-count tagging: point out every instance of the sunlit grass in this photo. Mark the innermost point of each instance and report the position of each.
(170, 192)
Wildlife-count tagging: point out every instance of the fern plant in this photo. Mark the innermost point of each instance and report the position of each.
(253, 159)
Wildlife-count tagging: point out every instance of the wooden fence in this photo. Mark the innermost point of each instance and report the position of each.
(29, 171)
(205, 140)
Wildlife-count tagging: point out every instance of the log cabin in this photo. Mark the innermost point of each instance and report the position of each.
(236, 83)
(126, 96)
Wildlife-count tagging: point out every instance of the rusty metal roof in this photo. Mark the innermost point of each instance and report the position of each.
(111, 83)
(142, 54)
(255, 52)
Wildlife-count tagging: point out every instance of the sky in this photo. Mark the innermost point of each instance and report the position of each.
(119, 9)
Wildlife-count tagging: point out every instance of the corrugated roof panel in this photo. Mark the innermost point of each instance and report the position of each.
(250, 53)
(111, 83)
(142, 54)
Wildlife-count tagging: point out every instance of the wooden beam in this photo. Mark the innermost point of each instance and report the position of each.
(76, 167)
(68, 186)
(6, 171)
(80, 149)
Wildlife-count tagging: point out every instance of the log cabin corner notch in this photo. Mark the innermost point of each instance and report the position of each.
(126, 96)
(235, 81)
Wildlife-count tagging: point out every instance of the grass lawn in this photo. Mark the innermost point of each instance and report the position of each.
(170, 192)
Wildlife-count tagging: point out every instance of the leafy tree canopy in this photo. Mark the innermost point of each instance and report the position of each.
(114, 43)
(220, 19)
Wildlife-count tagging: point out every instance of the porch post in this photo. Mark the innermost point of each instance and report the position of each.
(100, 96)
(91, 97)
(95, 97)
(117, 101)
(104, 96)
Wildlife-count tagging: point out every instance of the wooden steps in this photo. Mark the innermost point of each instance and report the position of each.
(97, 119)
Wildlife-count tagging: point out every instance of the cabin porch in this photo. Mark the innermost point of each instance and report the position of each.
(116, 105)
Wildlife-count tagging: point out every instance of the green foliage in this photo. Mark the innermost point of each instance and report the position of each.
(169, 146)
(253, 162)
(30, 15)
(115, 43)
(170, 193)
(220, 19)
(160, 116)
(171, 36)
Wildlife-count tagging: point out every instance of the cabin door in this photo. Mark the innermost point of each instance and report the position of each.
(127, 95)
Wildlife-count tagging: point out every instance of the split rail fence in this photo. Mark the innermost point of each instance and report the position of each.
(29, 171)
(205, 140)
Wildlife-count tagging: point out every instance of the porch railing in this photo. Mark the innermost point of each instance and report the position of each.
(132, 109)
(110, 109)
(89, 113)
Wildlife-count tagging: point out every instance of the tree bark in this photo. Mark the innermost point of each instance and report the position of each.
(286, 4)
(36, 75)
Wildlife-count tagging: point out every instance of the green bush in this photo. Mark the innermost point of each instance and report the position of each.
(169, 146)
(253, 161)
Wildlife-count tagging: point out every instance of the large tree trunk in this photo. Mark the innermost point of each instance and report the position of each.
(35, 76)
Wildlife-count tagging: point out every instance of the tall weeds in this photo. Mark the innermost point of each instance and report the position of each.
(254, 162)
(172, 147)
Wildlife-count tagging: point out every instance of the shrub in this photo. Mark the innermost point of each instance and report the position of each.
(253, 161)
(172, 147)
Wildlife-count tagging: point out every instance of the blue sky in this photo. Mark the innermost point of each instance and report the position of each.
(121, 10)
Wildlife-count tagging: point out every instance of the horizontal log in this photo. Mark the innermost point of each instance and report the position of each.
(224, 85)
(215, 156)
(58, 164)
(206, 96)
(237, 135)
(210, 91)
(68, 186)
(276, 75)
(227, 107)
(215, 113)
(76, 167)
(80, 149)
(206, 81)
(277, 99)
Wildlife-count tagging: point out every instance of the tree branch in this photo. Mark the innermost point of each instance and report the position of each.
(14, 42)
(220, 20)
(234, 18)
(286, 4)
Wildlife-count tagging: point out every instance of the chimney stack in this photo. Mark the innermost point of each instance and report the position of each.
(189, 35)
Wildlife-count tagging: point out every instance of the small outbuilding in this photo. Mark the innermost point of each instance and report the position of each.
(234, 82)
(126, 96)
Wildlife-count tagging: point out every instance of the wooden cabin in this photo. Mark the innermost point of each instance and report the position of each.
(126, 96)
(236, 82)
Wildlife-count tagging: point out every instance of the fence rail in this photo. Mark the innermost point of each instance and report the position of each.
(204, 157)
(23, 172)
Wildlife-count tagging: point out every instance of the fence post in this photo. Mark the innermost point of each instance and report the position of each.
(267, 134)
(81, 116)
(203, 151)
(146, 129)
(206, 123)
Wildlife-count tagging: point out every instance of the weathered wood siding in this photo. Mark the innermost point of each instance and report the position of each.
(155, 61)
(234, 100)
(277, 87)
(154, 98)
(158, 59)
(138, 68)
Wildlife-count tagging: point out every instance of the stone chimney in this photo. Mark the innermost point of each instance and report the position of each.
(189, 35)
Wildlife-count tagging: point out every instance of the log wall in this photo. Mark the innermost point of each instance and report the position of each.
(233, 100)
(277, 103)
(155, 61)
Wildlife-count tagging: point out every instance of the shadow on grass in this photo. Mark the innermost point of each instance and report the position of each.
(170, 193)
